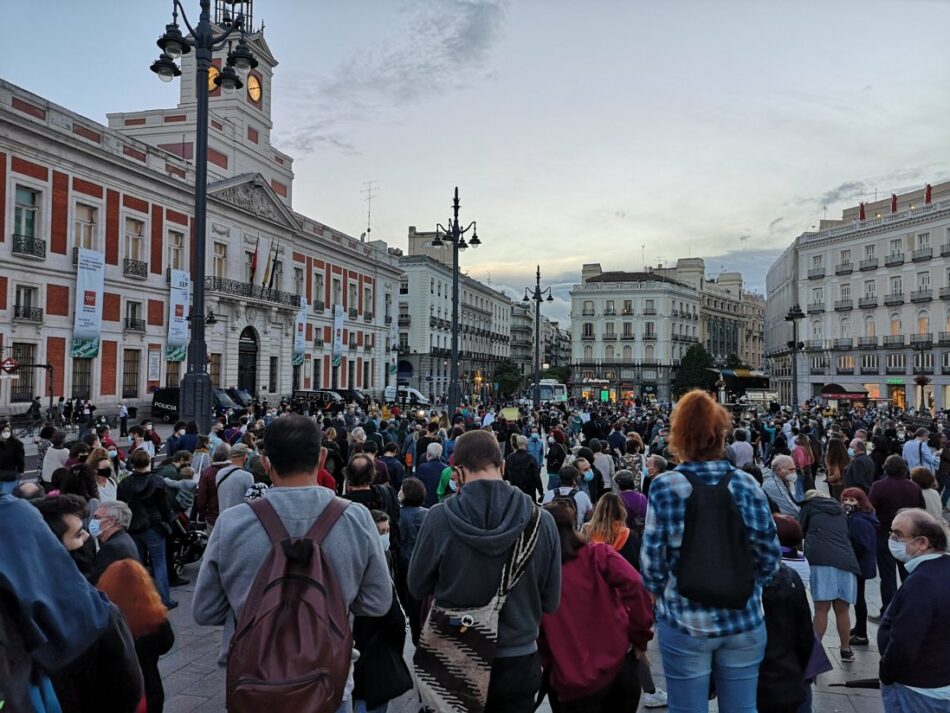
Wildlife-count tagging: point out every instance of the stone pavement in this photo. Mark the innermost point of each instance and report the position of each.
(194, 683)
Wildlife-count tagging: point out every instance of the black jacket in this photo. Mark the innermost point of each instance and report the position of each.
(789, 641)
(522, 471)
(12, 456)
(380, 673)
(148, 648)
(118, 547)
(145, 495)
(827, 541)
(860, 473)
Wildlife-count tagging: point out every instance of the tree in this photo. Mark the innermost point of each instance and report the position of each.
(508, 376)
(694, 371)
(561, 373)
(734, 362)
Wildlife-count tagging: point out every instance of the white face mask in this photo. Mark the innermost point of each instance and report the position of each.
(384, 538)
(791, 478)
(899, 550)
(5, 435)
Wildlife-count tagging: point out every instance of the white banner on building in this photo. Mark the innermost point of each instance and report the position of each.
(154, 365)
(337, 335)
(393, 347)
(300, 327)
(87, 326)
(178, 302)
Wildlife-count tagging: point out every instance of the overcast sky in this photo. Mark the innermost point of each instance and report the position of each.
(578, 131)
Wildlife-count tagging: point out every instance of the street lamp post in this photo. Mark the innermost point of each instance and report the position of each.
(795, 314)
(456, 236)
(538, 297)
(196, 386)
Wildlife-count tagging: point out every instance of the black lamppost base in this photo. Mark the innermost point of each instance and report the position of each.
(196, 400)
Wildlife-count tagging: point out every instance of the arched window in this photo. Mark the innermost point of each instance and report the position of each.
(896, 329)
(845, 328)
(628, 353)
(816, 329)
(649, 353)
(588, 353)
(869, 327)
(609, 352)
(923, 322)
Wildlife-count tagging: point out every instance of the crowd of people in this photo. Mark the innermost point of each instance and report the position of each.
(323, 538)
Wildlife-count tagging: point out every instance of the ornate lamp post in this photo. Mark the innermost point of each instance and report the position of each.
(196, 386)
(455, 235)
(538, 296)
(795, 314)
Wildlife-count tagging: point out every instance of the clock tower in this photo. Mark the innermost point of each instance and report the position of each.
(240, 122)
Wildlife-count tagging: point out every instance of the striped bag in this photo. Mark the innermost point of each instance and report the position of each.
(457, 646)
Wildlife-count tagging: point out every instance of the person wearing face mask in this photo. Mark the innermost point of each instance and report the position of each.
(536, 446)
(916, 625)
(12, 455)
(862, 531)
(778, 482)
(860, 471)
(109, 525)
(101, 464)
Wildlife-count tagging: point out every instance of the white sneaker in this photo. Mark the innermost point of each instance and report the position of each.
(654, 700)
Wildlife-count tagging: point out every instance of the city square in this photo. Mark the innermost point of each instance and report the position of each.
(423, 282)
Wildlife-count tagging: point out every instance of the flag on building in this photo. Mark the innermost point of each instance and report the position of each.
(254, 259)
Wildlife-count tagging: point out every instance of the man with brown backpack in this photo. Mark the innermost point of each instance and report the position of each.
(283, 575)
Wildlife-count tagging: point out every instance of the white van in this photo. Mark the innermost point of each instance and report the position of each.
(406, 393)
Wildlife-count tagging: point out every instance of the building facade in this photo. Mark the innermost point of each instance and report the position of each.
(555, 343)
(629, 331)
(522, 339)
(425, 323)
(875, 289)
(124, 190)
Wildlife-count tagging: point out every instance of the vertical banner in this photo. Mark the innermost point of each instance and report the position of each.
(393, 347)
(154, 365)
(87, 326)
(178, 301)
(300, 326)
(337, 335)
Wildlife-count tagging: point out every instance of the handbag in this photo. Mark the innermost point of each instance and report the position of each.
(457, 645)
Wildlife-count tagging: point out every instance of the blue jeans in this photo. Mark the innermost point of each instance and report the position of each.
(360, 707)
(900, 699)
(732, 661)
(554, 481)
(152, 543)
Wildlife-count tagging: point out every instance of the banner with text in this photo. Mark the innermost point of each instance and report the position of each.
(393, 347)
(300, 327)
(87, 326)
(337, 334)
(178, 303)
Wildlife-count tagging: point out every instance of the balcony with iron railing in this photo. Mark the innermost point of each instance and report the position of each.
(814, 345)
(627, 311)
(404, 320)
(921, 341)
(867, 342)
(388, 319)
(610, 312)
(843, 343)
(816, 308)
(945, 250)
(135, 268)
(844, 268)
(922, 294)
(247, 290)
(922, 254)
(924, 368)
(844, 370)
(611, 337)
(944, 338)
(587, 313)
(894, 259)
(895, 369)
(26, 313)
(945, 293)
(367, 317)
(816, 273)
(353, 313)
(29, 246)
(818, 370)
(893, 341)
(649, 337)
(649, 311)
(628, 337)
(868, 302)
(868, 264)
(133, 324)
(945, 369)
(870, 370)
(894, 298)
(844, 305)
(319, 307)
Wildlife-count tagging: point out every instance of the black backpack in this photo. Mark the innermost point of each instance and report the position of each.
(567, 501)
(716, 567)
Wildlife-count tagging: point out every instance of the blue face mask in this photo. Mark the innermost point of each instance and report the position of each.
(95, 527)
(851, 453)
(113, 453)
(453, 486)
(589, 475)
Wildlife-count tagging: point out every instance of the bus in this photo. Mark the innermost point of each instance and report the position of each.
(552, 391)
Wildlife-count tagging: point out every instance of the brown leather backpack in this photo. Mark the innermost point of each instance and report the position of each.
(292, 646)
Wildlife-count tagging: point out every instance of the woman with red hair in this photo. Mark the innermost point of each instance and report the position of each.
(703, 640)
(129, 586)
(862, 531)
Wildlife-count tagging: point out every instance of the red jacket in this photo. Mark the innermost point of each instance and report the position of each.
(604, 610)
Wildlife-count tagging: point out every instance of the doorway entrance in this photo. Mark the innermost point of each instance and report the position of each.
(247, 361)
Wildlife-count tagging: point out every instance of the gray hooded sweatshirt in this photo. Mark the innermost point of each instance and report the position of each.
(462, 546)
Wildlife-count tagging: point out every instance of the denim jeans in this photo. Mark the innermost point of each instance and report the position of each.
(360, 707)
(554, 481)
(152, 543)
(731, 661)
(900, 699)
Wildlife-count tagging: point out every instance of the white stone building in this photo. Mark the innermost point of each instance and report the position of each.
(628, 332)
(127, 190)
(875, 289)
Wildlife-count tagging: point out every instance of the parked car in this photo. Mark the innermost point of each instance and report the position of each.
(407, 394)
(356, 396)
(321, 399)
(241, 397)
(166, 404)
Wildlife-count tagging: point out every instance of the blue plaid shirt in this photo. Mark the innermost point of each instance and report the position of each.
(663, 537)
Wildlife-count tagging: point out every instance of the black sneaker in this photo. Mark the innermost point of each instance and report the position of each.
(856, 640)
(876, 618)
(847, 655)
(171, 605)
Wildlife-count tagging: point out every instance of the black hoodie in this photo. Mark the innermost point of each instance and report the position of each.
(460, 551)
(145, 495)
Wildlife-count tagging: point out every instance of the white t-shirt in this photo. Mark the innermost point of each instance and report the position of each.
(581, 499)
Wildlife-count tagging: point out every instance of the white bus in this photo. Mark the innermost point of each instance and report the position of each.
(552, 391)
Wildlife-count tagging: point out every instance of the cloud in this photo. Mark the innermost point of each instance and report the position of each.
(898, 181)
(443, 46)
(753, 263)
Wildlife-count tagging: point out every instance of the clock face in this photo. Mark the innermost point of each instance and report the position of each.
(254, 88)
(212, 73)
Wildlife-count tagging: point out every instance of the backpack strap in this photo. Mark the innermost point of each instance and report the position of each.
(270, 520)
(331, 513)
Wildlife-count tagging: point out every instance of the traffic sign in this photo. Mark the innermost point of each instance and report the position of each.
(9, 365)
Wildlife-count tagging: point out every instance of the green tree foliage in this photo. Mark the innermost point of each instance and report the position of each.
(508, 376)
(693, 371)
(734, 362)
(561, 373)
